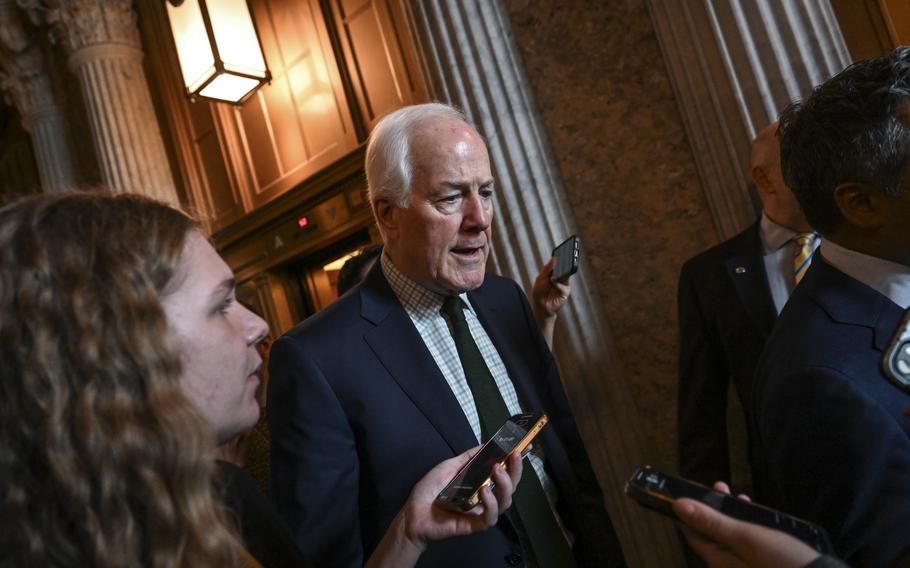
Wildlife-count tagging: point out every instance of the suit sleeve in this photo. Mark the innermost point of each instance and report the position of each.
(704, 378)
(839, 459)
(315, 469)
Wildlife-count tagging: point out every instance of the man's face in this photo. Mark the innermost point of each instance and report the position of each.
(217, 340)
(778, 201)
(442, 238)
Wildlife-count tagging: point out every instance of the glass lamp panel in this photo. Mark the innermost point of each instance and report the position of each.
(229, 88)
(197, 62)
(236, 37)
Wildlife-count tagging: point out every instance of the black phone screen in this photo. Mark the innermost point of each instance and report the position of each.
(496, 450)
(567, 257)
(461, 493)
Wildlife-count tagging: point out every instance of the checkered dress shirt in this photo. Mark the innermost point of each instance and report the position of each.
(423, 307)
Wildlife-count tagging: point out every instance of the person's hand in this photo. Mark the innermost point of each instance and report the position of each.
(424, 521)
(722, 541)
(421, 521)
(549, 295)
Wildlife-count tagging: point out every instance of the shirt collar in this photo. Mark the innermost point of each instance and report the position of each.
(415, 298)
(888, 278)
(773, 236)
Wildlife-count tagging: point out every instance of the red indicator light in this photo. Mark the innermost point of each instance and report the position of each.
(303, 222)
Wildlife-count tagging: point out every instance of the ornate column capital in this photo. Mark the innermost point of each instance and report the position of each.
(25, 79)
(81, 24)
(23, 69)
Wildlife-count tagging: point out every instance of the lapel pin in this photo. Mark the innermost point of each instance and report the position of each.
(740, 270)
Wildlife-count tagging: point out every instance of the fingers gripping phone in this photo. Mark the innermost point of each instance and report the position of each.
(896, 360)
(463, 492)
(657, 490)
(567, 255)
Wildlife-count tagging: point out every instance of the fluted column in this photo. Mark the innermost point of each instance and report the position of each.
(24, 77)
(105, 53)
(472, 62)
(734, 65)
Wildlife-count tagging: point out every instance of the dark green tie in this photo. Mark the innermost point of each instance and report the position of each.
(530, 502)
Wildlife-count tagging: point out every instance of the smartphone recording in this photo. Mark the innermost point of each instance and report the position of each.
(463, 492)
(568, 257)
(657, 490)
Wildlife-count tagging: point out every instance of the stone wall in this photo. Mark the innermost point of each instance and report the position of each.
(606, 101)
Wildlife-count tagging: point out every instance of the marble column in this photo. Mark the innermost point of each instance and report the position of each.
(734, 65)
(471, 61)
(25, 79)
(105, 53)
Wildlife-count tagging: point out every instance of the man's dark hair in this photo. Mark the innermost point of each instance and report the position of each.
(352, 272)
(848, 131)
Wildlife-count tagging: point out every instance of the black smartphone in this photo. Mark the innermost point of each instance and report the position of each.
(463, 492)
(896, 360)
(657, 490)
(567, 256)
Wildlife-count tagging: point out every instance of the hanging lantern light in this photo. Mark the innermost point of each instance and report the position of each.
(218, 48)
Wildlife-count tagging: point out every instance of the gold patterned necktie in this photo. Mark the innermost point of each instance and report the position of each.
(805, 247)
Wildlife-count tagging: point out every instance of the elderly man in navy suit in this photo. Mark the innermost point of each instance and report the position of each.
(830, 423)
(729, 297)
(420, 362)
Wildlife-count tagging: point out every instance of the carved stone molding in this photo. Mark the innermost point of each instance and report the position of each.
(471, 61)
(84, 23)
(734, 65)
(25, 79)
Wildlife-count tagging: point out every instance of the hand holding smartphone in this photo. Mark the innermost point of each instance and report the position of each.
(657, 490)
(515, 435)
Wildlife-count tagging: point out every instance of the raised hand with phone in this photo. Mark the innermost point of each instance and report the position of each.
(551, 288)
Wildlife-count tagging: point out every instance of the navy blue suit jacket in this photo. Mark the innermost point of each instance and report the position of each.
(359, 412)
(726, 314)
(831, 425)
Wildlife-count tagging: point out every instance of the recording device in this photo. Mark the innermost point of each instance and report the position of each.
(463, 492)
(657, 490)
(567, 256)
(896, 360)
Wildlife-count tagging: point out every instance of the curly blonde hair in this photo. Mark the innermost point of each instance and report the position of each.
(104, 460)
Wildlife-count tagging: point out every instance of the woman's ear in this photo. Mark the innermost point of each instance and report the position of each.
(860, 204)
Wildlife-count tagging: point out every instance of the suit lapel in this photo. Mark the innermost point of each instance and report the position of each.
(746, 269)
(486, 309)
(401, 350)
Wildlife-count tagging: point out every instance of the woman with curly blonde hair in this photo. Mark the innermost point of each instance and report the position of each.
(124, 360)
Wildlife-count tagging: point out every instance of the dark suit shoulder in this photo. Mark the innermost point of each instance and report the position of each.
(344, 309)
(746, 242)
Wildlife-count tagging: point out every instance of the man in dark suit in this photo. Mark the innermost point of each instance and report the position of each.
(830, 423)
(729, 297)
(372, 392)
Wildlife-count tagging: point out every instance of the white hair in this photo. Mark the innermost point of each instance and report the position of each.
(388, 159)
